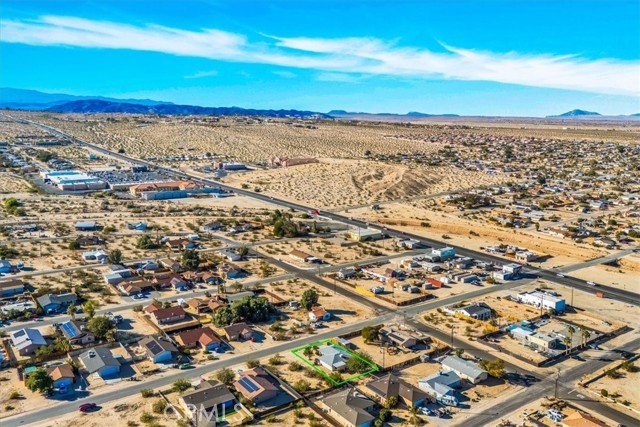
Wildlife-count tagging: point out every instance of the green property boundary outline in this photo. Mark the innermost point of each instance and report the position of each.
(374, 367)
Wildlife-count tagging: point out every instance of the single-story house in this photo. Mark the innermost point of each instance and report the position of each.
(478, 311)
(319, 313)
(399, 338)
(100, 360)
(350, 408)
(5, 266)
(89, 240)
(207, 396)
(179, 284)
(390, 385)
(138, 226)
(203, 337)
(11, 287)
(62, 375)
(96, 255)
(53, 303)
(171, 264)
(257, 385)
(332, 358)
(76, 332)
(238, 331)
(27, 341)
(346, 273)
(134, 287)
(466, 369)
(86, 226)
(159, 350)
(163, 316)
(229, 255)
(441, 386)
(580, 419)
(212, 226)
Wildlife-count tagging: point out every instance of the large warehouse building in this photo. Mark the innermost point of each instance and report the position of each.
(73, 180)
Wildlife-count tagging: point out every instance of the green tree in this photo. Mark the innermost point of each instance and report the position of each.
(74, 245)
(115, 256)
(370, 334)
(190, 259)
(243, 251)
(494, 367)
(40, 381)
(100, 326)
(180, 385)
(71, 311)
(385, 414)
(146, 242)
(226, 376)
(309, 298)
(89, 308)
(358, 364)
(283, 225)
(391, 402)
(223, 317)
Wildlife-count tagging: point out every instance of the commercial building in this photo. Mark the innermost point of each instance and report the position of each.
(444, 253)
(73, 180)
(542, 300)
(172, 190)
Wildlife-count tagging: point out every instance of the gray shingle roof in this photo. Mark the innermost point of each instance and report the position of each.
(98, 358)
(350, 405)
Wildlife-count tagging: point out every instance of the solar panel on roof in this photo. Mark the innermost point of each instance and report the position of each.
(70, 329)
(248, 384)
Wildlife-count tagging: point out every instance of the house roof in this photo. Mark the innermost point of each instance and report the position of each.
(351, 406)
(155, 346)
(68, 298)
(318, 311)
(61, 371)
(237, 328)
(169, 312)
(580, 419)
(475, 309)
(391, 385)
(23, 338)
(332, 356)
(74, 329)
(208, 395)
(204, 336)
(465, 367)
(10, 284)
(440, 382)
(299, 254)
(254, 382)
(98, 358)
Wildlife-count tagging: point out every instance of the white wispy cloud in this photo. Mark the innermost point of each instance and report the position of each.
(201, 74)
(340, 59)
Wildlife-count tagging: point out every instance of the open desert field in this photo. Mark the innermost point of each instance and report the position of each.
(11, 184)
(347, 183)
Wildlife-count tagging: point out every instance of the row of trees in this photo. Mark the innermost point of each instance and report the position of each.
(248, 309)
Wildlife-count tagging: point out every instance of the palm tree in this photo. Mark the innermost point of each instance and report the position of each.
(567, 343)
(63, 345)
(585, 336)
(571, 331)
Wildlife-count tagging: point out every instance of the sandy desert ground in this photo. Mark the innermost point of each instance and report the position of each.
(11, 184)
(342, 183)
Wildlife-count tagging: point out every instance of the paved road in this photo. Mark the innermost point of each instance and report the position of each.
(565, 391)
(50, 320)
(597, 261)
(610, 292)
(542, 386)
(124, 389)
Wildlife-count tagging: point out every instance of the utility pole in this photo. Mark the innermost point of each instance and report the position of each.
(452, 336)
(555, 393)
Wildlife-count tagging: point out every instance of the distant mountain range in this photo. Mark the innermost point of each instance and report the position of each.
(576, 114)
(33, 100)
(343, 113)
(23, 99)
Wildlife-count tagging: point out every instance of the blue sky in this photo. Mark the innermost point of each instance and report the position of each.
(509, 57)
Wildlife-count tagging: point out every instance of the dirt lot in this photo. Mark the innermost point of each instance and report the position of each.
(328, 250)
(409, 216)
(358, 182)
(622, 389)
(11, 184)
(342, 310)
